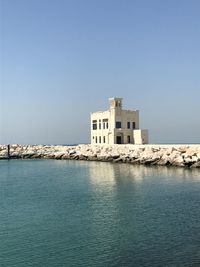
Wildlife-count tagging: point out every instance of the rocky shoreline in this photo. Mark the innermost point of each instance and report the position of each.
(167, 155)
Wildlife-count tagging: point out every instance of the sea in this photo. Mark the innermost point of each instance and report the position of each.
(57, 213)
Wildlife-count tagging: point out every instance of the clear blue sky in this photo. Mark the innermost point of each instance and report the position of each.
(62, 59)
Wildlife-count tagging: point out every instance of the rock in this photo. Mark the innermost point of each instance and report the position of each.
(190, 152)
(65, 156)
(72, 152)
(58, 155)
(92, 158)
(178, 161)
(183, 155)
(195, 165)
(164, 160)
(115, 156)
(149, 161)
(135, 161)
(83, 157)
(117, 160)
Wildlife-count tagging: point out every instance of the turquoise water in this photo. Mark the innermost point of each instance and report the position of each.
(76, 213)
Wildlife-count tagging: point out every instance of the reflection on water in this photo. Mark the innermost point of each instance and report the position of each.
(101, 172)
(79, 213)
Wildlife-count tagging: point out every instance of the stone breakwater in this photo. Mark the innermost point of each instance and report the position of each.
(168, 155)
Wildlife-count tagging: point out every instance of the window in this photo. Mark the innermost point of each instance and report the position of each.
(104, 139)
(128, 125)
(105, 123)
(118, 124)
(94, 124)
(133, 124)
(118, 104)
(96, 139)
(128, 139)
(99, 124)
(99, 139)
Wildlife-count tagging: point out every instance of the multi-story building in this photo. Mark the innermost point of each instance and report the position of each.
(117, 125)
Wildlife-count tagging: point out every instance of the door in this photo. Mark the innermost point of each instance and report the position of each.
(119, 139)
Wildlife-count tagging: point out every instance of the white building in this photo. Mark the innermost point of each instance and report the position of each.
(117, 126)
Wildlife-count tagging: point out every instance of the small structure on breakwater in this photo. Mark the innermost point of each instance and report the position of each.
(8, 147)
(117, 126)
